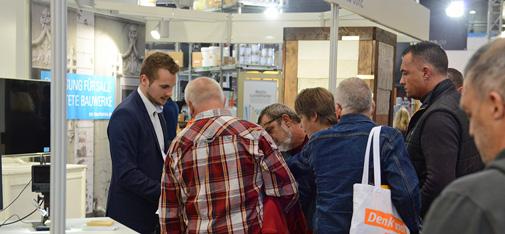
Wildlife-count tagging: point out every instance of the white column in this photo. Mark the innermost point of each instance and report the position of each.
(332, 84)
(58, 115)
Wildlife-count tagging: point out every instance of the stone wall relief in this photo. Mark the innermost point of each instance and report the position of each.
(41, 46)
(131, 58)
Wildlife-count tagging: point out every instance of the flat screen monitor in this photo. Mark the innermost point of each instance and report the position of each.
(24, 116)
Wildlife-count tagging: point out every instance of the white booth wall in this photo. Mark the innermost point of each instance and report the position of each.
(101, 44)
(459, 58)
(14, 28)
(314, 62)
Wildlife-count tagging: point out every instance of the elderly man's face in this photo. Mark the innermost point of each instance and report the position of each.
(278, 130)
(480, 114)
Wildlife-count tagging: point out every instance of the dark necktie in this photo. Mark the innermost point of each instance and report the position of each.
(164, 128)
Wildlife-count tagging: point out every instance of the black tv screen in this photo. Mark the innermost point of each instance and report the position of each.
(24, 116)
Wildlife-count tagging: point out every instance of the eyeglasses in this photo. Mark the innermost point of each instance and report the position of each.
(267, 126)
(272, 120)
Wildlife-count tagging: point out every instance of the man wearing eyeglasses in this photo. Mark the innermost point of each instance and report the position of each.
(284, 126)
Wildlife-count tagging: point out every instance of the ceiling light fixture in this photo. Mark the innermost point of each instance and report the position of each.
(151, 3)
(271, 13)
(455, 9)
(161, 30)
(472, 12)
(155, 34)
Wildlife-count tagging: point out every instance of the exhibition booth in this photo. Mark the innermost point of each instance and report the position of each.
(258, 60)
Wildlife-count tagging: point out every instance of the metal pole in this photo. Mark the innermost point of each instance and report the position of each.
(332, 84)
(190, 62)
(175, 96)
(489, 20)
(58, 115)
(221, 46)
(494, 18)
(221, 73)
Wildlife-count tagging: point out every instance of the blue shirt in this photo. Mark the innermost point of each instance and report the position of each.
(335, 157)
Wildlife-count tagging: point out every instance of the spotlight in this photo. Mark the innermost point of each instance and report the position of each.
(271, 13)
(155, 34)
(160, 30)
(455, 9)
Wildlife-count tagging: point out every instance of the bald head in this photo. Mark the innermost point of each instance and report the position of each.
(203, 94)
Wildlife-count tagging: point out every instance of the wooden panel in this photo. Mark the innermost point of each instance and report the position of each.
(364, 33)
(366, 58)
(290, 72)
(323, 33)
(382, 119)
(384, 36)
(302, 33)
(368, 63)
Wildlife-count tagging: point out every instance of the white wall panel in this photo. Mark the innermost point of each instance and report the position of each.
(14, 45)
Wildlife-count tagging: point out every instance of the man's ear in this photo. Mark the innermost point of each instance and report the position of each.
(498, 105)
(144, 80)
(191, 108)
(313, 117)
(286, 119)
(427, 72)
(372, 109)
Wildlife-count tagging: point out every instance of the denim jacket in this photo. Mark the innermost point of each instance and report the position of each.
(335, 157)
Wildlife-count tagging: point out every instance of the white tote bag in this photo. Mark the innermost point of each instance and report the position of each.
(373, 211)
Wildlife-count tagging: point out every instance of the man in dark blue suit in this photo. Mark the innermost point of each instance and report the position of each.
(138, 142)
(171, 113)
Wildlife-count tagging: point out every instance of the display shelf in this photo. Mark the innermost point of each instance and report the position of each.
(251, 67)
(215, 68)
(227, 68)
(186, 73)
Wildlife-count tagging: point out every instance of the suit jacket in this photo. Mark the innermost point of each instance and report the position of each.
(171, 113)
(136, 166)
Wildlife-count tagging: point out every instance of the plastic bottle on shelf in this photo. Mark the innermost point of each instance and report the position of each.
(206, 57)
(247, 55)
(271, 57)
(215, 53)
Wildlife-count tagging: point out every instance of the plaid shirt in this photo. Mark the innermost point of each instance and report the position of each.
(216, 174)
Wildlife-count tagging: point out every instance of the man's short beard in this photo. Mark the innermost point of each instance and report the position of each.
(286, 144)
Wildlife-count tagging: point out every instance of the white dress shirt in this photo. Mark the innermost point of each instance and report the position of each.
(153, 111)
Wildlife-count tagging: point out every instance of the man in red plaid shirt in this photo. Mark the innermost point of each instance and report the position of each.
(219, 170)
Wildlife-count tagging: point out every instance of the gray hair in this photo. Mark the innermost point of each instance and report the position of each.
(486, 69)
(203, 89)
(354, 96)
(276, 110)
